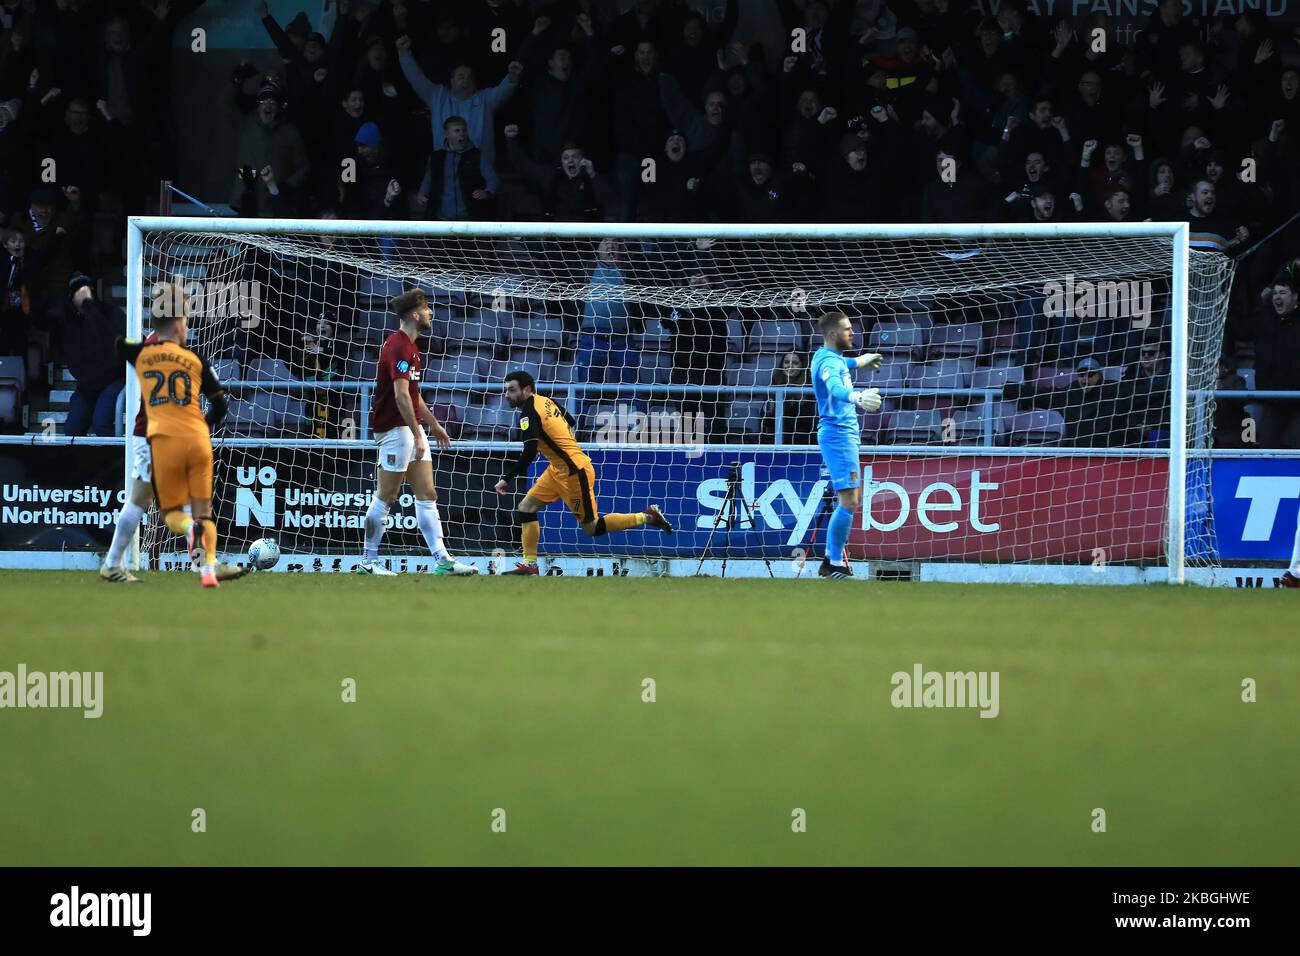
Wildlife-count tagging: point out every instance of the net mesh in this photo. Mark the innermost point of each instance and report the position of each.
(1025, 384)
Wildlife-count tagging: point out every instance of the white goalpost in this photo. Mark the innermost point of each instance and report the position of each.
(1048, 388)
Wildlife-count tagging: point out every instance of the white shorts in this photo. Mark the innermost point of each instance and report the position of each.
(397, 449)
(141, 459)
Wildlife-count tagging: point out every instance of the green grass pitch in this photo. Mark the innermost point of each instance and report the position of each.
(526, 695)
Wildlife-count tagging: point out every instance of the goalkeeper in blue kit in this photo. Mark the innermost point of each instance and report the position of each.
(838, 434)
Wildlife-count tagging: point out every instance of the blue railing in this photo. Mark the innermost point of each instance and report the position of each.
(569, 389)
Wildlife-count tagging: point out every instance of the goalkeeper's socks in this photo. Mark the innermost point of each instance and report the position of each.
(837, 533)
(127, 522)
(376, 515)
(426, 514)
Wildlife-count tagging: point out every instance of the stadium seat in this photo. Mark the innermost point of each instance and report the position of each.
(654, 337)
(735, 336)
(892, 338)
(362, 363)
(1040, 427)
(451, 416)
(453, 368)
(269, 370)
(540, 363)
(755, 372)
(772, 335)
(13, 378)
(955, 341)
(372, 325)
(1002, 340)
(889, 375)
(997, 376)
(1053, 377)
(871, 425)
(968, 426)
(913, 428)
(1248, 375)
(226, 370)
(944, 373)
(536, 331)
(267, 413)
(656, 368)
(745, 417)
(13, 369)
(488, 422)
(481, 329)
(380, 287)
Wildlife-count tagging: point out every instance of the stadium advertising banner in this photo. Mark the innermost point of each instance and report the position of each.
(59, 497)
(62, 498)
(962, 508)
(1256, 501)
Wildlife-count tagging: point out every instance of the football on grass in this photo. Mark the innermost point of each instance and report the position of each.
(264, 554)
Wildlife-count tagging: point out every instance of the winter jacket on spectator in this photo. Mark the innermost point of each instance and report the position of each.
(577, 198)
(478, 109)
(606, 316)
(88, 333)
(364, 199)
(278, 145)
(450, 183)
(968, 199)
(557, 98)
(1277, 350)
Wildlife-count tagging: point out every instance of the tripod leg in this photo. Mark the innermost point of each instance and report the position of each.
(716, 519)
(749, 512)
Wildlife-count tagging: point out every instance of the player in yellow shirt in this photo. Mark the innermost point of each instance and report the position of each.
(171, 379)
(570, 477)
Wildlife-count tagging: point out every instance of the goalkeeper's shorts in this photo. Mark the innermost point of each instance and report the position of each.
(843, 462)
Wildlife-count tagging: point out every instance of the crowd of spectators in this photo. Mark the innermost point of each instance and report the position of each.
(786, 111)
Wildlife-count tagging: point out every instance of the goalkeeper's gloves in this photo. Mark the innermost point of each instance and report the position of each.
(867, 399)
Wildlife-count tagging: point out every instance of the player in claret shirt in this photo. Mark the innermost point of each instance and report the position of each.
(396, 413)
(547, 427)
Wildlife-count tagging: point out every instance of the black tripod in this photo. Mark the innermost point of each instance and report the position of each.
(734, 512)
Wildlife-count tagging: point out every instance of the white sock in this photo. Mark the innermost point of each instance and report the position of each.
(127, 522)
(426, 513)
(375, 518)
(1295, 551)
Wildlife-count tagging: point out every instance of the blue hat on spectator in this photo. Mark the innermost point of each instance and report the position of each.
(1088, 365)
(368, 135)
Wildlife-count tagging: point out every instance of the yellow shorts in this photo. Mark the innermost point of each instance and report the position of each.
(182, 469)
(578, 491)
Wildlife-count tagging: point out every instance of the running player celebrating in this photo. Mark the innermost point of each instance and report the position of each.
(570, 475)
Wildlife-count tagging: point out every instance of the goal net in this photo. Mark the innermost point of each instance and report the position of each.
(1048, 390)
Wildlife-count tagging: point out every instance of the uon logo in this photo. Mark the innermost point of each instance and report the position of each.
(255, 503)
